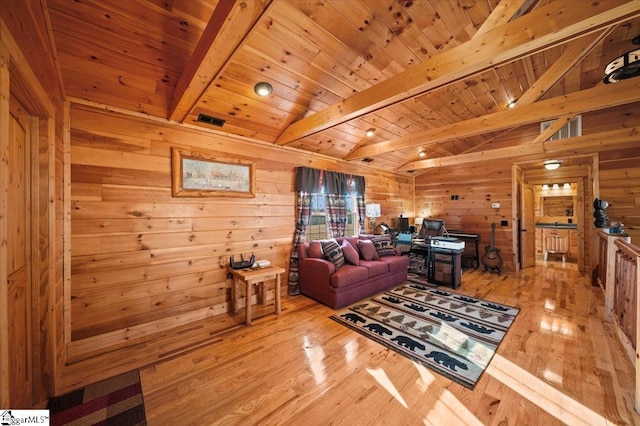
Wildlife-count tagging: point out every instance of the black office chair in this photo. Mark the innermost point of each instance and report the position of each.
(432, 228)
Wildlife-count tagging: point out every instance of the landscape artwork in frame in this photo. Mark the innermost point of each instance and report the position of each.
(195, 174)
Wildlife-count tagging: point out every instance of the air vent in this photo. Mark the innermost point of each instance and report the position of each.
(367, 160)
(569, 130)
(203, 118)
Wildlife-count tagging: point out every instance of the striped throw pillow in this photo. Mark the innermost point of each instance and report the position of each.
(333, 252)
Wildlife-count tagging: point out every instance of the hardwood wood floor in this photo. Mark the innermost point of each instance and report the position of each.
(559, 364)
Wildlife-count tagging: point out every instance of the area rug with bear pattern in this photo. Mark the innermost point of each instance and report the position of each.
(450, 333)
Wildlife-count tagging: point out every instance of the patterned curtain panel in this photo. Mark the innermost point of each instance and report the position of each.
(336, 212)
(361, 213)
(304, 214)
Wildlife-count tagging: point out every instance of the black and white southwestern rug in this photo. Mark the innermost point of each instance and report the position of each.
(452, 334)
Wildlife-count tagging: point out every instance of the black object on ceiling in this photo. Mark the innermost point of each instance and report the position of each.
(625, 66)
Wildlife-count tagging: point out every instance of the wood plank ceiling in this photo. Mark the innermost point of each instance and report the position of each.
(428, 75)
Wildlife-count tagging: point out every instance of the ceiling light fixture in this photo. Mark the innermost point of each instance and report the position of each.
(422, 154)
(263, 89)
(511, 104)
(624, 66)
(369, 132)
(552, 164)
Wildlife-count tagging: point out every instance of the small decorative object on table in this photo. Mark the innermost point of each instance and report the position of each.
(616, 228)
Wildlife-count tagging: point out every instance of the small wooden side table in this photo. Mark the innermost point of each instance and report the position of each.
(252, 276)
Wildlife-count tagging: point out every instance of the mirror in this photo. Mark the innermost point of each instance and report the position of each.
(557, 206)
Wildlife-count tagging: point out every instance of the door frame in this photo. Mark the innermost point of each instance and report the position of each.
(18, 79)
(587, 184)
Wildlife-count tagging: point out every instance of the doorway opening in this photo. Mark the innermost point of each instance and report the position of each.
(551, 210)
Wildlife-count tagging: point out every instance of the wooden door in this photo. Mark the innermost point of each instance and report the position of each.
(528, 230)
(19, 259)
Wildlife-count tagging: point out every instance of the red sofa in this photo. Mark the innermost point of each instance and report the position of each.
(319, 280)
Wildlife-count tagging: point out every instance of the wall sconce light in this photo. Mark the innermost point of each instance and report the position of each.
(555, 186)
(372, 211)
(566, 186)
(545, 187)
(369, 132)
(263, 89)
(552, 164)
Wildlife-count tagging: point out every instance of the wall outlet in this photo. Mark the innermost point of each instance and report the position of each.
(495, 205)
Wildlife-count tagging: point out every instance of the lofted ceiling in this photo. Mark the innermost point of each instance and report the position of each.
(428, 75)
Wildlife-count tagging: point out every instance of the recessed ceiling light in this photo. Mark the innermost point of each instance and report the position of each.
(263, 89)
(369, 132)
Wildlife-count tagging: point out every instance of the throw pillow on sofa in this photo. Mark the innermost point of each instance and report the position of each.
(315, 249)
(333, 252)
(367, 250)
(350, 254)
(383, 245)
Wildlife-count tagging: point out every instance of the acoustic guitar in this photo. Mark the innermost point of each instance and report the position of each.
(491, 258)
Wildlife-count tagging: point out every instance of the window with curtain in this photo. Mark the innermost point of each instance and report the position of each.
(317, 228)
(332, 199)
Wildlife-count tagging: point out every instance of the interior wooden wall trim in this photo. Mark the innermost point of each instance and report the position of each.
(17, 78)
(4, 195)
(66, 227)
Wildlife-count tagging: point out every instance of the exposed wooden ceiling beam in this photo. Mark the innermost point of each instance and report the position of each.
(230, 23)
(545, 27)
(501, 15)
(574, 54)
(605, 141)
(599, 97)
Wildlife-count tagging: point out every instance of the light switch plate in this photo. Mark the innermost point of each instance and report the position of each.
(495, 205)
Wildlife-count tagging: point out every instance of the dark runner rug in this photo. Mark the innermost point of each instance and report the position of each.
(452, 334)
(115, 401)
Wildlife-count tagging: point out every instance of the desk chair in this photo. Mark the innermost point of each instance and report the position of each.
(432, 228)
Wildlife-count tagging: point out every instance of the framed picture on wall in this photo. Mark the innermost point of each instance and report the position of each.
(195, 174)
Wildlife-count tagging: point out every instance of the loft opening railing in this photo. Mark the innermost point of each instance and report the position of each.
(618, 275)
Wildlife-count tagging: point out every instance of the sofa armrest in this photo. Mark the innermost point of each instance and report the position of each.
(314, 278)
(314, 266)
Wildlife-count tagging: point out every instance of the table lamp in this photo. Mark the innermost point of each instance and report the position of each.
(372, 211)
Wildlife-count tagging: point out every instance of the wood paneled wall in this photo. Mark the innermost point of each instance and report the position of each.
(480, 184)
(477, 186)
(620, 186)
(143, 261)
